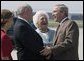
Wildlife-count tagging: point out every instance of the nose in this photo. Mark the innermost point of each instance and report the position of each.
(44, 20)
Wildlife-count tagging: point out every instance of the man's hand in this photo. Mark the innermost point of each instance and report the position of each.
(46, 51)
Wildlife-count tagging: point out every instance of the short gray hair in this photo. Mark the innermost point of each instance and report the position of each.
(63, 8)
(38, 14)
(20, 9)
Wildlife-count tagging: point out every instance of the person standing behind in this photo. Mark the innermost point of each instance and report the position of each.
(40, 20)
(65, 45)
(6, 42)
(30, 21)
(27, 40)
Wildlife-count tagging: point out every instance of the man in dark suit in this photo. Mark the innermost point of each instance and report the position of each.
(28, 42)
(65, 45)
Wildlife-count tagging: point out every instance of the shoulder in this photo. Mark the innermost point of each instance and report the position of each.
(70, 23)
(19, 20)
(4, 36)
(73, 22)
(21, 23)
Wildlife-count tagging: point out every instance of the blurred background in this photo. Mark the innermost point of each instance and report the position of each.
(75, 14)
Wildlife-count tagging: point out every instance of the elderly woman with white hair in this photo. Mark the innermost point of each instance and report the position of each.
(40, 20)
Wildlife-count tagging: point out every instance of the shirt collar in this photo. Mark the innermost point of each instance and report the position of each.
(23, 19)
(63, 20)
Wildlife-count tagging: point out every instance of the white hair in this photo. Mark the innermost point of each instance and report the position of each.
(37, 16)
(21, 8)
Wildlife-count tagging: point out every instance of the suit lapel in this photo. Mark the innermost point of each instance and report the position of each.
(59, 28)
(56, 34)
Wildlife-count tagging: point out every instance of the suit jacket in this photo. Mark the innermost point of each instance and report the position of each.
(66, 42)
(28, 42)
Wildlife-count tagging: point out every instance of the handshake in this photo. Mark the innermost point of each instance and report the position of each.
(47, 50)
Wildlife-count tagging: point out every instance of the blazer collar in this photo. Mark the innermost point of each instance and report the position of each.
(66, 18)
(23, 19)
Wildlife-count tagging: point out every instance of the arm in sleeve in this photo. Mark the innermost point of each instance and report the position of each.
(71, 39)
(29, 38)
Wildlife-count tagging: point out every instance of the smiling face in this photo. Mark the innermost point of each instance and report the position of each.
(42, 22)
(57, 14)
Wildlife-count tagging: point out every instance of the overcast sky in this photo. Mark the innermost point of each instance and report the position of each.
(74, 6)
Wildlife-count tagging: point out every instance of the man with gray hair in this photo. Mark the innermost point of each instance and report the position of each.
(17, 14)
(28, 16)
(27, 40)
(65, 42)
